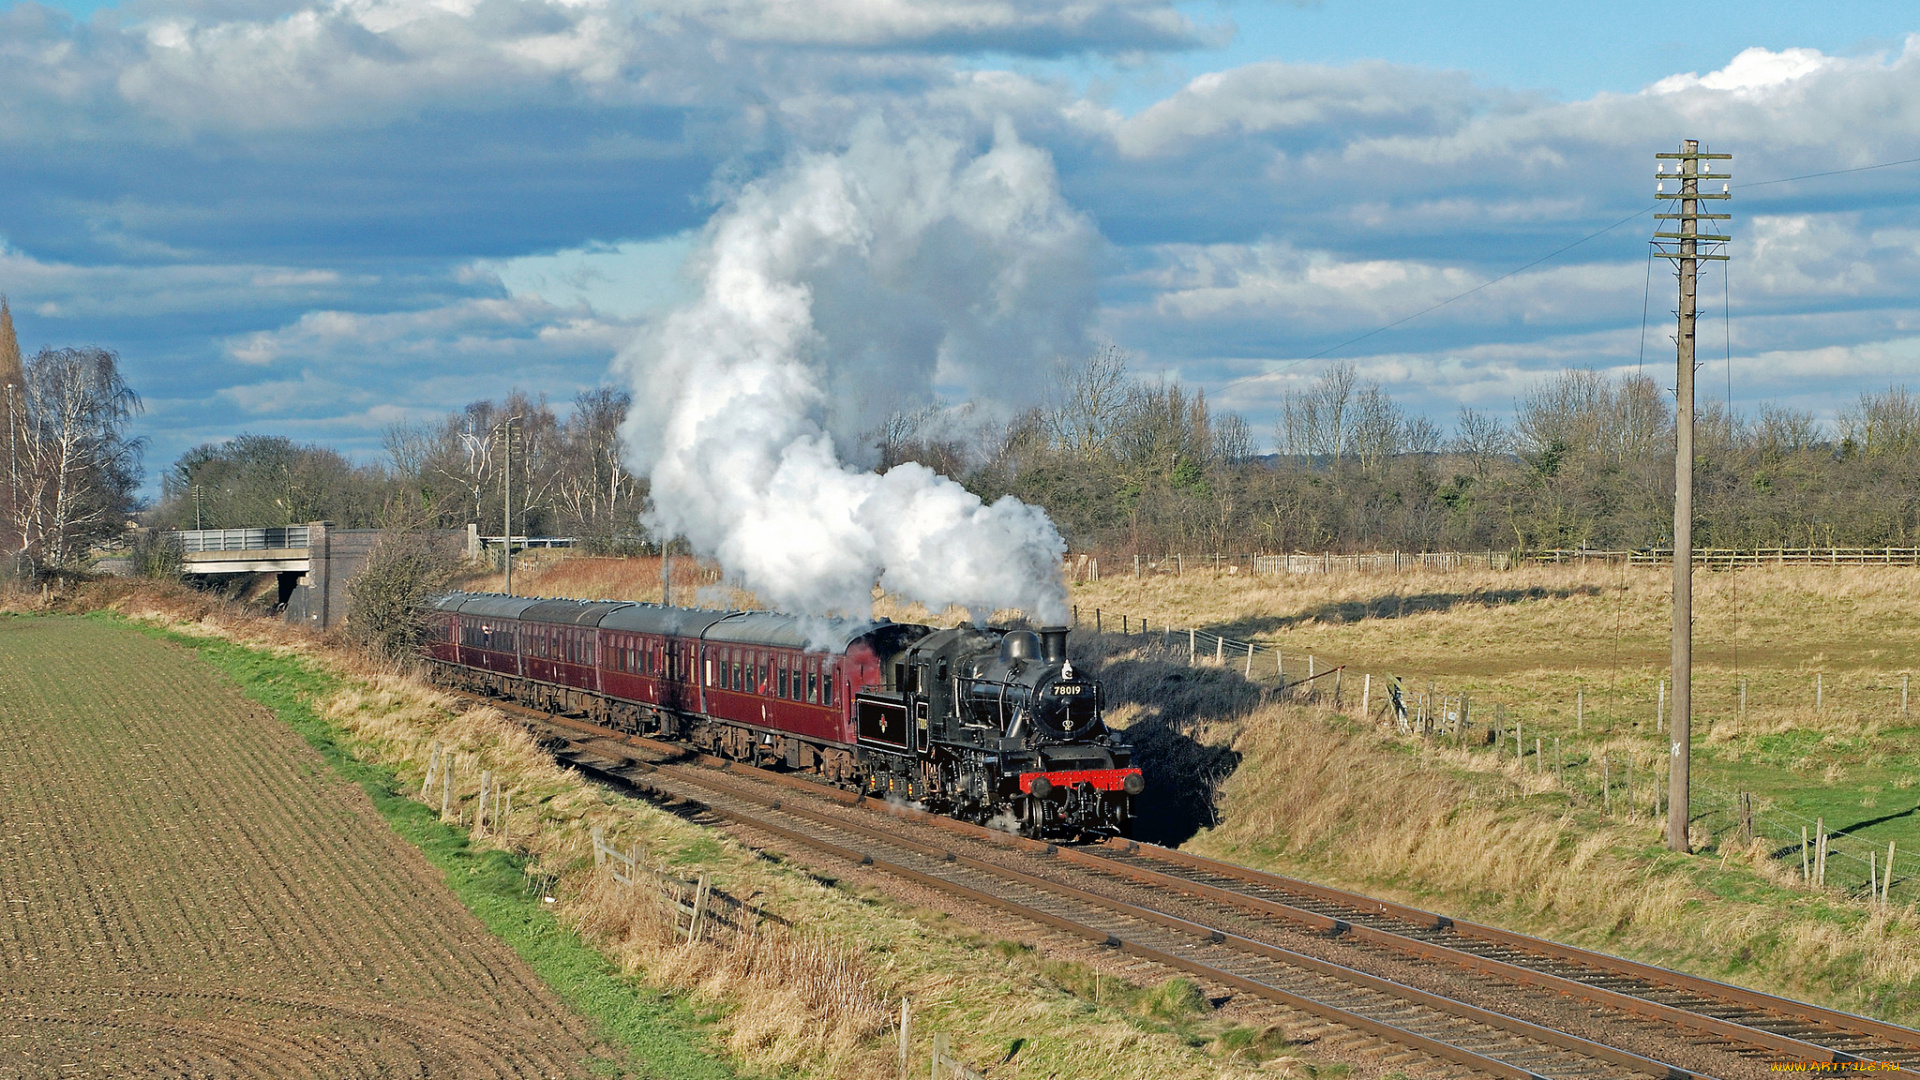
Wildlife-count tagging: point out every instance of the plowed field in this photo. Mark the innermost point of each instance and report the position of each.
(190, 890)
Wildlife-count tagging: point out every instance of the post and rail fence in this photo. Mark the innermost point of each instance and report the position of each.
(1085, 566)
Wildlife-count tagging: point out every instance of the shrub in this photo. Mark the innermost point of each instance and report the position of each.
(386, 601)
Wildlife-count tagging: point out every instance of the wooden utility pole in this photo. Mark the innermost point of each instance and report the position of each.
(1683, 246)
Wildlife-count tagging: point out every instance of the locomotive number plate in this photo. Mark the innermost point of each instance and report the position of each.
(1067, 691)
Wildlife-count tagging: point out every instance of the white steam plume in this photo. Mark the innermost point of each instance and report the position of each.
(836, 291)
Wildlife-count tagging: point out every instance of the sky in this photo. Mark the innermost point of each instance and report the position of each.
(321, 218)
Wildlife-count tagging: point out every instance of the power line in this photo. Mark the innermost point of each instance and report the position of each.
(1835, 172)
(1552, 254)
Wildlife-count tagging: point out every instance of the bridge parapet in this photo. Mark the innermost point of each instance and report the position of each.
(193, 541)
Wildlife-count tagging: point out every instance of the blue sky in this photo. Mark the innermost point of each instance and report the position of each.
(322, 217)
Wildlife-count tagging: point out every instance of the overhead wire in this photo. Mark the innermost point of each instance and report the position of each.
(1550, 255)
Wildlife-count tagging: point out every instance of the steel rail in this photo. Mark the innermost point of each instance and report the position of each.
(1904, 1038)
(1732, 1030)
(1564, 1041)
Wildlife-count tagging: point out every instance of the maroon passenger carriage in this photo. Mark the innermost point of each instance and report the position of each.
(982, 724)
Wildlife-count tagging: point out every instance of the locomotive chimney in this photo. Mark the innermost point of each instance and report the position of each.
(1053, 643)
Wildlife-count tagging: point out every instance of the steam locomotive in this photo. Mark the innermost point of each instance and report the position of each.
(988, 725)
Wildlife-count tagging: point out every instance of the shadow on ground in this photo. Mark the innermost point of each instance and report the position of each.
(1173, 703)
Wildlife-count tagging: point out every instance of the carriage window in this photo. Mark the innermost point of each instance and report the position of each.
(826, 688)
(782, 677)
(813, 688)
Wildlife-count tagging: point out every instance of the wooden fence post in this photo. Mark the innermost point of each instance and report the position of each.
(1366, 695)
(1249, 672)
(446, 789)
(1606, 787)
(1193, 637)
(1660, 709)
(939, 1052)
(1819, 691)
(1559, 763)
(1219, 649)
(480, 806)
(433, 764)
(906, 1034)
(699, 920)
(1580, 711)
(1806, 874)
(1820, 850)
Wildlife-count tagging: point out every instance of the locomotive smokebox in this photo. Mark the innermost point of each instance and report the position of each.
(1053, 644)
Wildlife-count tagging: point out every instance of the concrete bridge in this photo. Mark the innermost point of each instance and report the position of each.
(314, 562)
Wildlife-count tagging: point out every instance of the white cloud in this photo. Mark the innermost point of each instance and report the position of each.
(1752, 71)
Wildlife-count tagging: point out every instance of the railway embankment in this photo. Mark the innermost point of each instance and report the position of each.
(815, 987)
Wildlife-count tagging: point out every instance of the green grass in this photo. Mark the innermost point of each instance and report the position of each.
(659, 1034)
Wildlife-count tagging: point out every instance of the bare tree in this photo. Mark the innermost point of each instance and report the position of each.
(1883, 423)
(1379, 430)
(1092, 394)
(1232, 439)
(593, 491)
(1314, 422)
(72, 469)
(1481, 438)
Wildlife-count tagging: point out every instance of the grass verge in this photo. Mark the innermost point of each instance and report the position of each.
(660, 1035)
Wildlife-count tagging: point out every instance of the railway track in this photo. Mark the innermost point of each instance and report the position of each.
(1480, 998)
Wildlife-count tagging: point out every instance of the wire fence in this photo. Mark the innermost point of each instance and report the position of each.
(1805, 848)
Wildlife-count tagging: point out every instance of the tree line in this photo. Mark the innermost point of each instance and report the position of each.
(565, 474)
(1123, 465)
(1586, 460)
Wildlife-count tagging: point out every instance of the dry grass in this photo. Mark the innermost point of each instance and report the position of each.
(813, 998)
(1315, 793)
(1474, 833)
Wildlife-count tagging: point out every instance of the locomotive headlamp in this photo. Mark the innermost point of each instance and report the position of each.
(1134, 784)
(1041, 788)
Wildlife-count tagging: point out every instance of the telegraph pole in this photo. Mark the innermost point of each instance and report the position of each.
(1683, 246)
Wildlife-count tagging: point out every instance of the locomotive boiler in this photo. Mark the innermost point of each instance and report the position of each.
(991, 725)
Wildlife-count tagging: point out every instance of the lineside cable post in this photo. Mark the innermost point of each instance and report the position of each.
(1687, 246)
